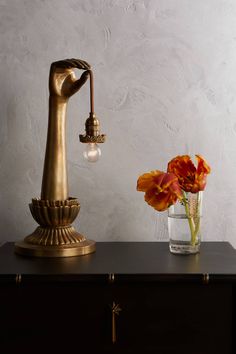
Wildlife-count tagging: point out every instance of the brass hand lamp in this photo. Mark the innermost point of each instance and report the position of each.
(55, 210)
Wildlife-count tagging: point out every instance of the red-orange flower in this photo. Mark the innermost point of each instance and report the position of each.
(191, 179)
(161, 189)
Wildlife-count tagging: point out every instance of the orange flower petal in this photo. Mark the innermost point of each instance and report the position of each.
(160, 201)
(147, 180)
(162, 189)
(191, 179)
(165, 180)
(203, 166)
(176, 190)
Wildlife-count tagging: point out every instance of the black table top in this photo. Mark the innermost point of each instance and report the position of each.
(153, 259)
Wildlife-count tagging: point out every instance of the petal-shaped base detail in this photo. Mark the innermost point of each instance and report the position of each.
(55, 237)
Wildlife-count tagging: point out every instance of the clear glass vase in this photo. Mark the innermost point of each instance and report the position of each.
(184, 224)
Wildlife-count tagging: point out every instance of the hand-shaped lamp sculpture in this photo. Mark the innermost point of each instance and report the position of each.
(55, 211)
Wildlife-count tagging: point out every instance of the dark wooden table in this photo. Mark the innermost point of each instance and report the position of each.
(169, 303)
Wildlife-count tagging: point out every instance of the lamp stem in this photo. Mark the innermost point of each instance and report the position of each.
(54, 183)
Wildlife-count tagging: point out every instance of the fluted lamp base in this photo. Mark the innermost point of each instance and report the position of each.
(27, 249)
(55, 237)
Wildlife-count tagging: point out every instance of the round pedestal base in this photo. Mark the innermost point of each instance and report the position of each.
(77, 249)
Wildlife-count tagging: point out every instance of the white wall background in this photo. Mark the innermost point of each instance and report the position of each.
(165, 81)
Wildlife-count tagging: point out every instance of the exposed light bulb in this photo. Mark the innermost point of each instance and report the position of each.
(92, 152)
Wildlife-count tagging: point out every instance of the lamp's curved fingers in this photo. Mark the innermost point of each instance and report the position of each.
(81, 64)
(79, 83)
(71, 63)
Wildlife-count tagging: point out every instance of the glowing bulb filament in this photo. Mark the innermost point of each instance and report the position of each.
(92, 152)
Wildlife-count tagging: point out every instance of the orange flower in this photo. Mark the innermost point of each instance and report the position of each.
(161, 189)
(191, 179)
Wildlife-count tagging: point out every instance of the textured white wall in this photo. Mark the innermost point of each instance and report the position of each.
(165, 81)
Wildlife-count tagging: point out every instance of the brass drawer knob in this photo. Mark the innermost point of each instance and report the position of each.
(115, 309)
(18, 279)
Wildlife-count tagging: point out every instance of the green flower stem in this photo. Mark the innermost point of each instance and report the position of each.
(197, 218)
(197, 227)
(190, 220)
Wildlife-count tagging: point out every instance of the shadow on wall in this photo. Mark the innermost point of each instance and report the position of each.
(19, 164)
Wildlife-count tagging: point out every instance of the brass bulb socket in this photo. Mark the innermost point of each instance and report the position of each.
(99, 139)
(92, 131)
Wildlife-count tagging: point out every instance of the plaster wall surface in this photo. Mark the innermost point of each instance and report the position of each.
(165, 84)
